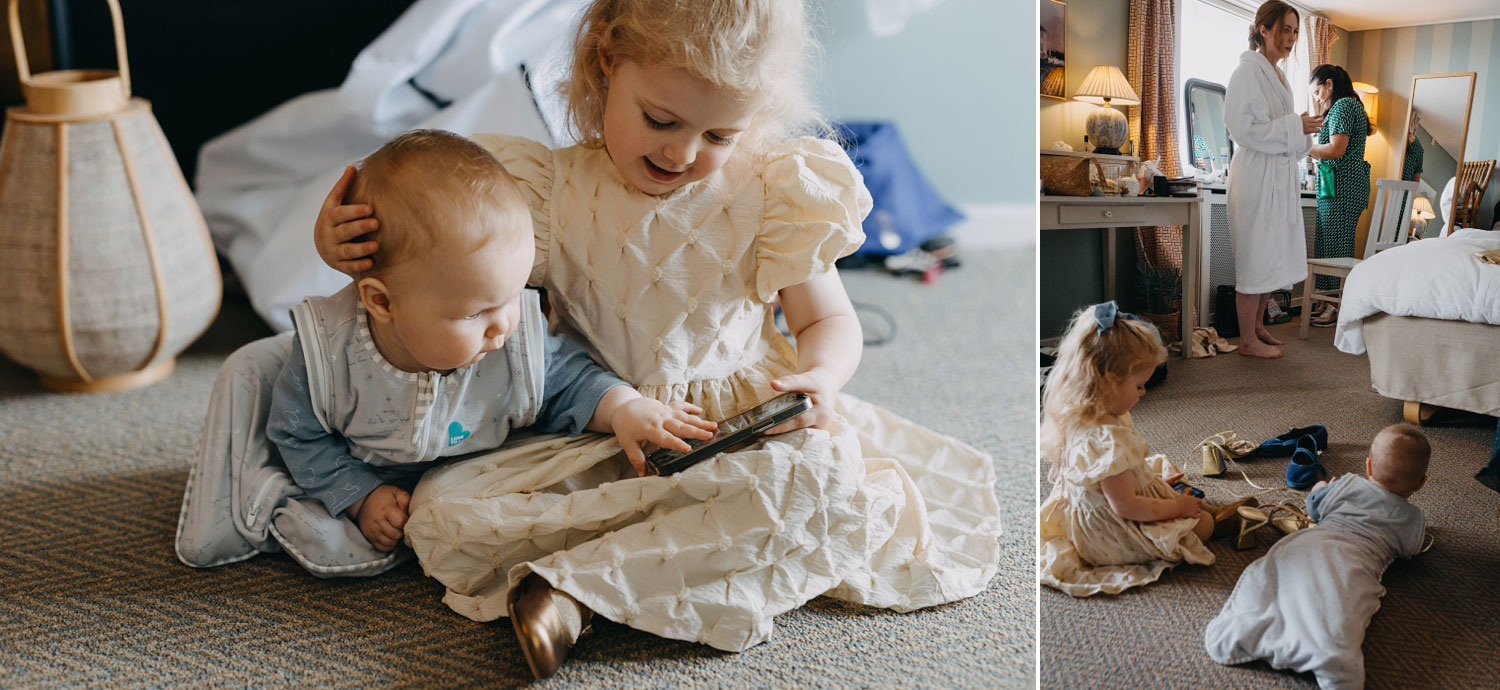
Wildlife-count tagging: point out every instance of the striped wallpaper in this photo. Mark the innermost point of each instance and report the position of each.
(1388, 58)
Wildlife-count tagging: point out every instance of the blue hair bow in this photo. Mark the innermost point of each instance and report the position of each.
(1106, 313)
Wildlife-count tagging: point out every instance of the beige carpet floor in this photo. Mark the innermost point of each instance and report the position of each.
(1439, 624)
(92, 595)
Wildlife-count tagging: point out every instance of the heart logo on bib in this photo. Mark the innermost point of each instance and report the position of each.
(457, 434)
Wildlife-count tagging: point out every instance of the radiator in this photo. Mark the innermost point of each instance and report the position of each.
(1218, 256)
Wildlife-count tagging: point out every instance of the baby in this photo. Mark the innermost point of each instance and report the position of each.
(1306, 604)
(438, 350)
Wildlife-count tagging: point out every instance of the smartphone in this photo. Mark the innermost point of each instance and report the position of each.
(1192, 490)
(735, 431)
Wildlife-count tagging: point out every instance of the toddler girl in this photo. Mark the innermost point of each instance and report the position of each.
(1111, 521)
(663, 240)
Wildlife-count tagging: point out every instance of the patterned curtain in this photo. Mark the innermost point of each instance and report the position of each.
(1152, 54)
(1320, 37)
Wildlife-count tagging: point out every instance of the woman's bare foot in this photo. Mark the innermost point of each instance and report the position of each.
(1251, 347)
(1265, 337)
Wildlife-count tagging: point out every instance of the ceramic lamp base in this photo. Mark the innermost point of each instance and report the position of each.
(1107, 129)
(110, 384)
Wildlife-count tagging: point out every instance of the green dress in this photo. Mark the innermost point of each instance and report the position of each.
(1338, 217)
(1411, 166)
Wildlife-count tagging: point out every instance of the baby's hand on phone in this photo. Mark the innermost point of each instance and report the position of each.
(819, 390)
(339, 223)
(645, 420)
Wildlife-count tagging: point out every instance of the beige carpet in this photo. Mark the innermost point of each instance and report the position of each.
(1439, 624)
(92, 594)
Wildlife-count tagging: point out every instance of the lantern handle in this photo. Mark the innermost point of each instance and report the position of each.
(19, 44)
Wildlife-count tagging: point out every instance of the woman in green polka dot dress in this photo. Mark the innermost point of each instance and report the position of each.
(1343, 174)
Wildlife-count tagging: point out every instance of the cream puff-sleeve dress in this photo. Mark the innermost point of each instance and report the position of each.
(1087, 548)
(674, 294)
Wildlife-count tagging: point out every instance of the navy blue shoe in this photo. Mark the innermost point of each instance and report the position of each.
(1283, 445)
(1304, 470)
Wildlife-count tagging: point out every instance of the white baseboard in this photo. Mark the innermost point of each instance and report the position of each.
(996, 226)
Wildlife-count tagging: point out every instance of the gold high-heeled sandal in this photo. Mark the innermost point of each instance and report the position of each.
(1295, 519)
(1215, 452)
(1251, 519)
(1227, 517)
(1213, 461)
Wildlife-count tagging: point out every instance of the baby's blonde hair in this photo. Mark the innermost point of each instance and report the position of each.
(1398, 458)
(434, 189)
(760, 50)
(1075, 395)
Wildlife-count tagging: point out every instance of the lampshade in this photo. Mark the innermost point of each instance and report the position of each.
(1106, 85)
(1052, 85)
(1423, 209)
(1368, 97)
(108, 268)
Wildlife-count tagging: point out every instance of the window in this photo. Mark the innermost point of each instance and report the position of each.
(1214, 33)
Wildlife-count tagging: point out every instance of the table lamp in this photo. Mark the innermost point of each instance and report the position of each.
(1421, 212)
(1368, 95)
(1107, 128)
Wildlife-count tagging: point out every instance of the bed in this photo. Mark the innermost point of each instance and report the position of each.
(1428, 315)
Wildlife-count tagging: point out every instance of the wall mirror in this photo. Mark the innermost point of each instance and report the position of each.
(1208, 144)
(1437, 124)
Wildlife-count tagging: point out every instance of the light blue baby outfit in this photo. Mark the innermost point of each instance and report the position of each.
(341, 420)
(347, 421)
(1306, 604)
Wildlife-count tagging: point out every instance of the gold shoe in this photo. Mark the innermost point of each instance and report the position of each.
(539, 626)
(1227, 518)
(1295, 520)
(1216, 451)
(1213, 460)
(1251, 519)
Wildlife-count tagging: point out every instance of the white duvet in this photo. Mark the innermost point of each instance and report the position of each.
(1435, 278)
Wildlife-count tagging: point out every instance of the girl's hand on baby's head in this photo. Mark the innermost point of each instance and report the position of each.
(339, 223)
(819, 389)
(646, 420)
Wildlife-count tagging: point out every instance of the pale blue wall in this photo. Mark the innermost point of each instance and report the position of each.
(954, 81)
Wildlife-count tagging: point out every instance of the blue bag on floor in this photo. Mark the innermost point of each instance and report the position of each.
(907, 210)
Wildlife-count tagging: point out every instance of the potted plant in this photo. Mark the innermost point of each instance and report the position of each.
(1159, 293)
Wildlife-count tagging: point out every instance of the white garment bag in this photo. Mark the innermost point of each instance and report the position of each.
(459, 65)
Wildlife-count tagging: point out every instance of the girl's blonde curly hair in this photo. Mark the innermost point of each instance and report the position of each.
(759, 50)
(1076, 389)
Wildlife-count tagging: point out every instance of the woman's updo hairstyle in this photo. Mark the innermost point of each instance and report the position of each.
(1269, 17)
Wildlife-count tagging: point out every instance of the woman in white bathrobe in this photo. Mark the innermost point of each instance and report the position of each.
(1265, 216)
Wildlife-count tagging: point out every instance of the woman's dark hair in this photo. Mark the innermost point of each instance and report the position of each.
(1269, 17)
(1342, 86)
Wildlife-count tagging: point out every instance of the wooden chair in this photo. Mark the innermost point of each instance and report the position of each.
(1389, 222)
(1473, 180)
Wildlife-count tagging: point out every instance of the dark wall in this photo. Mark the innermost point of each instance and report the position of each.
(210, 65)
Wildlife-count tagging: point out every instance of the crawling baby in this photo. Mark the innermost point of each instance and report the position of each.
(1306, 604)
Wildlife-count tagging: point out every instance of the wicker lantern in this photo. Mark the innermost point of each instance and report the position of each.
(106, 268)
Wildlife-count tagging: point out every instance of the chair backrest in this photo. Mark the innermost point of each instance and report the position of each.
(1473, 179)
(1390, 218)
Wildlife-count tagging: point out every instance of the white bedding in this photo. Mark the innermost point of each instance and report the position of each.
(1436, 278)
